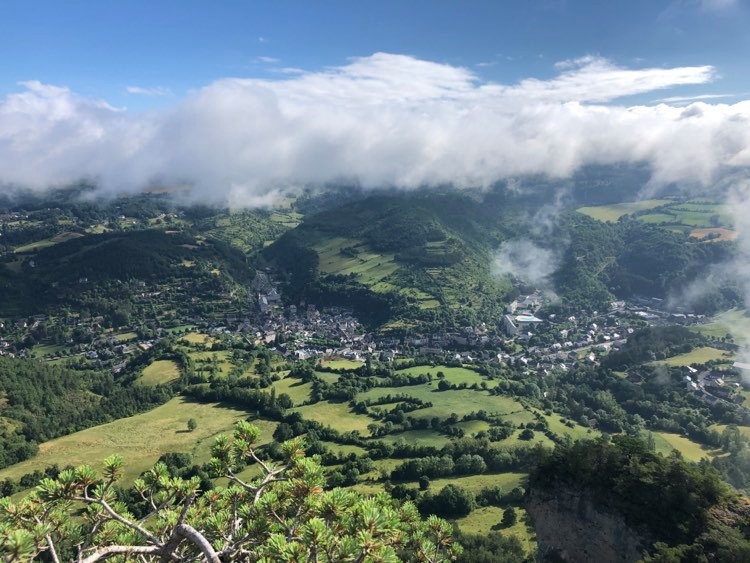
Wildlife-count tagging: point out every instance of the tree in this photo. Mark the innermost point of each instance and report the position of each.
(192, 424)
(282, 515)
(509, 517)
(527, 434)
(424, 483)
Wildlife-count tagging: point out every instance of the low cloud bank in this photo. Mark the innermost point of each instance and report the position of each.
(379, 121)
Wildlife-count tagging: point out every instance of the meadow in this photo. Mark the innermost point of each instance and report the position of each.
(612, 213)
(140, 439)
(700, 355)
(159, 372)
(734, 322)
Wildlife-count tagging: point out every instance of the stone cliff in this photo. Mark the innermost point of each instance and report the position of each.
(569, 524)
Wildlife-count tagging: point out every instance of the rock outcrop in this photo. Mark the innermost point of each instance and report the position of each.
(569, 524)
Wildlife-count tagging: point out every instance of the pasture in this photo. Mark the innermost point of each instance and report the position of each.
(486, 519)
(453, 375)
(698, 356)
(38, 245)
(298, 391)
(612, 213)
(140, 439)
(445, 403)
(734, 322)
(347, 256)
(336, 415)
(690, 450)
(341, 363)
(159, 372)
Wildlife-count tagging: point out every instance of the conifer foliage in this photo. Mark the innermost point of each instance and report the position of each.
(284, 514)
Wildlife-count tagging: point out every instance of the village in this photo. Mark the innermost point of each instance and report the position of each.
(524, 338)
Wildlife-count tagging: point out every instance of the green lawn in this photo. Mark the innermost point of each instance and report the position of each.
(140, 439)
(613, 212)
(159, 372)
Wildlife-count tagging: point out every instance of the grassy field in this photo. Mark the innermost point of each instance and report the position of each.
(38, 245)
(220, 360)
(734, 322)
(341, 364)
(476, 483)
(456, 376)
(723, 234)
(369, 267)
(336, 415)
(140, 439)
(444, 403)
(698, 356)
(691, 451)
(422, 437)
(692, 216)
(159, 372)
(197, 338)
(613, 212)
(42, 350)
(298, 391)
(126, 336)
(485, 519)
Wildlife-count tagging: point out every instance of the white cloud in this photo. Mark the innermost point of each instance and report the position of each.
(697, 98)
(383, 120)
(152, 91)
(269, 60)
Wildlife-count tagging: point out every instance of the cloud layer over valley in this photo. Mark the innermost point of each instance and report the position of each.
(383, 120)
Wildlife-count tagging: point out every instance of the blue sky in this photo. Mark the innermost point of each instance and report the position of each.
(100, 49)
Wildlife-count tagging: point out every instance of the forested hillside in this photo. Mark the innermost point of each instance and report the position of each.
(39, 401)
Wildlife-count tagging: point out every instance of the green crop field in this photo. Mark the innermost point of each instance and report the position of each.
(613, 212)
(698, 356)
(140, 439)
(159, 372)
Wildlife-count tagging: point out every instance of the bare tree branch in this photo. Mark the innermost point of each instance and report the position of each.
(194, 536)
